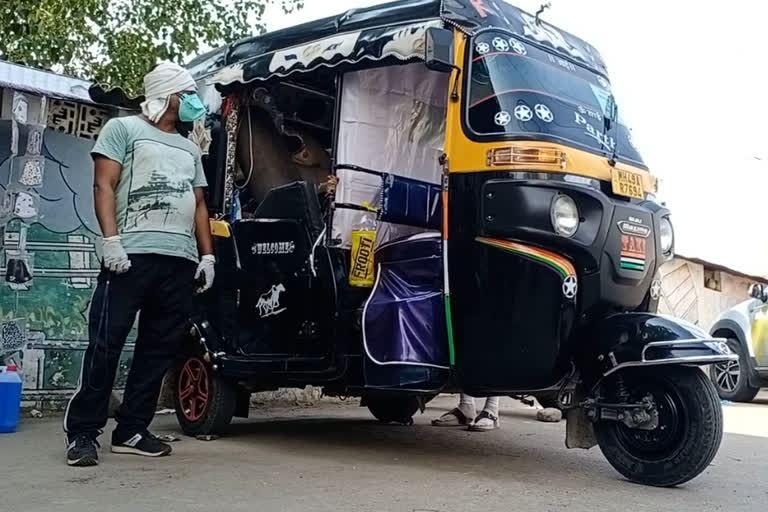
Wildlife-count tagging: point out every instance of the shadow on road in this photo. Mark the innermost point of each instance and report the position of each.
(522, 451)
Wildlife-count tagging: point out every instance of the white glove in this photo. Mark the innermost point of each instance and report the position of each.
(206, 269)
(115, 257)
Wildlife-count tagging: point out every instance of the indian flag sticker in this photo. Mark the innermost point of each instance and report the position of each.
(633, 250)
(630, 263)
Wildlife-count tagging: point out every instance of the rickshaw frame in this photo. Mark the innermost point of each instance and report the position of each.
(613, 342)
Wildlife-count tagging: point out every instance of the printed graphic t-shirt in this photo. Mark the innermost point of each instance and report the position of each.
(155, 199)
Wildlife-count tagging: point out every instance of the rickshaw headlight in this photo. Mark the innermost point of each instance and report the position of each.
(565, 215)
(666, 236)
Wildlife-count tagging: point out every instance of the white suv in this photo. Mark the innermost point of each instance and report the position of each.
(746, 327)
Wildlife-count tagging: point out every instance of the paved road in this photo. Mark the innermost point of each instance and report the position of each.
(335, 458)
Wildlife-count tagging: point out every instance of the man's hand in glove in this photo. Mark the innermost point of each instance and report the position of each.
(115, 258)
(205, 270)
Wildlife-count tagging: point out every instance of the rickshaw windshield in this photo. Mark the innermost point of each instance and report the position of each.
(518, 90)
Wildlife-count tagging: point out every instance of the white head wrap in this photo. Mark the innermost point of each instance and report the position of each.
(160, 84)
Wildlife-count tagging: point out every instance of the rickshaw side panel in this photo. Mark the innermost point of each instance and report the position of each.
(509, 326)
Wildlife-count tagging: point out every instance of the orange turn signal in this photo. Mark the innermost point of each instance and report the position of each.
(511, 155)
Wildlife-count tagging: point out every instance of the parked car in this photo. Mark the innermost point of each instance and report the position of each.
(746, 328)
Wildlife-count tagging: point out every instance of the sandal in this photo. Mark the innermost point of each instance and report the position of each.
(485, 422)
(453, 418)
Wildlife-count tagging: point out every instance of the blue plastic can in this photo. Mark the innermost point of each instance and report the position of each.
(10, 399)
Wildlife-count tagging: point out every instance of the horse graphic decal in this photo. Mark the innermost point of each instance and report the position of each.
(269, 303)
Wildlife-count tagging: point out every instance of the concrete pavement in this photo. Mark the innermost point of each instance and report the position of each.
(334, 457)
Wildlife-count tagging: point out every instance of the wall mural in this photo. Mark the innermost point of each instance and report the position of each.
(48, 216)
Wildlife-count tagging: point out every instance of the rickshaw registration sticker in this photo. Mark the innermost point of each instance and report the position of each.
(626, 183)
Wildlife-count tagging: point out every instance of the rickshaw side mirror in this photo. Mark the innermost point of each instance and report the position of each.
(759, 292)
(439, 50)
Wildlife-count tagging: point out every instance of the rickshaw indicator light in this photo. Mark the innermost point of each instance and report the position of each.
(565, 215)
(511, 155)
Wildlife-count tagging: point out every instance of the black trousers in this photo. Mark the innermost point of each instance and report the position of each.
(161, 289)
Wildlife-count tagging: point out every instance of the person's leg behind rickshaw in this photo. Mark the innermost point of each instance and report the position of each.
(465, 415)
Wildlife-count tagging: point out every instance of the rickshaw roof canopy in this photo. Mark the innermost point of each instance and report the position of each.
(391, 31)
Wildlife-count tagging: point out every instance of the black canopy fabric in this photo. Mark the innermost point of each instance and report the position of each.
(391, 30)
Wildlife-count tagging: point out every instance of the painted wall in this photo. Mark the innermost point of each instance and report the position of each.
(685, 296)
(50, 312)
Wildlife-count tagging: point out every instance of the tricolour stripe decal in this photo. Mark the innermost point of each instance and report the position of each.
(446, 280)
(449, 327)
(556, 262)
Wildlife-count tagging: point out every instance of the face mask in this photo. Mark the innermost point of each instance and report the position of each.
(191, 108)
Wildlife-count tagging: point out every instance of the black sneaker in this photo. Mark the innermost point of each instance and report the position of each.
(82, 452)
(142, 443)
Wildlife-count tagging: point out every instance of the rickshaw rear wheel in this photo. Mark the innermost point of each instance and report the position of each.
(205, 402)
(392, 408)
(688, 434)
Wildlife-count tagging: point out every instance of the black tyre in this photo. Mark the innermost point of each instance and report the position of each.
(731, 379)
(205, 402)
(688, 435)
(392, 408)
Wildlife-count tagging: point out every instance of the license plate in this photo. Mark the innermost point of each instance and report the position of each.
(633, 252)
(626, 183)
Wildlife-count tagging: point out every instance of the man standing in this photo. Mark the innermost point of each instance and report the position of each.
(148, 194)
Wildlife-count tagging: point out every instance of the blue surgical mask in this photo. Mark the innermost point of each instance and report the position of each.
(191, 108)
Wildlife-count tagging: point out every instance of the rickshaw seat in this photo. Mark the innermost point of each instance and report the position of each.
(283, 230)
(411, 202)
(297, 201)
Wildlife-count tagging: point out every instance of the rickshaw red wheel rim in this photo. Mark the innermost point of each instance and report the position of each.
(194, 389)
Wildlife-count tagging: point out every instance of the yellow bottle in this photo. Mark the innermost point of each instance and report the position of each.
(361, 272)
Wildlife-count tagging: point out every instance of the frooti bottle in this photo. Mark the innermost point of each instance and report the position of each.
(361, 272)
(10, 399)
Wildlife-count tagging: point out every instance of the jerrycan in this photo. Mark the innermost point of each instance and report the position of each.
(10, 399)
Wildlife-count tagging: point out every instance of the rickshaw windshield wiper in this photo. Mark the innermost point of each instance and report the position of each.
(611, 122)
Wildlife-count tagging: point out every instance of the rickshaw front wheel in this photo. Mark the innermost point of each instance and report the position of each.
(686, 438)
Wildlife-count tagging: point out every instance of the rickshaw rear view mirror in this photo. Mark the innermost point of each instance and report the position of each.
(439, 50)
(759, 292)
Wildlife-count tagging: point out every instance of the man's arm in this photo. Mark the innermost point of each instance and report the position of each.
(202, 224)
(107, 174)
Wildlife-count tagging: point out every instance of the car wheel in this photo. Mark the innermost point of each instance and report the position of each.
(731, 378)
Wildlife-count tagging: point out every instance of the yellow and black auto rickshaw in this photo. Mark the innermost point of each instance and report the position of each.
(437, 196)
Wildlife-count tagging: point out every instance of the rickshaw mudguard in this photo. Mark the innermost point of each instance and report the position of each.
(627, 340)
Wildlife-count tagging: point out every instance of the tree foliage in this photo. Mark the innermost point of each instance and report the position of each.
(118, 41)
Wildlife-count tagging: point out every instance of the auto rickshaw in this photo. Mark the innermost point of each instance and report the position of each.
(429, 196)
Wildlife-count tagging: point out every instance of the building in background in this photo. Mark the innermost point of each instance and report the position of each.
(699, 291)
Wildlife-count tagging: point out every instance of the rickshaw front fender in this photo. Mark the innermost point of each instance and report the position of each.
(626, 340)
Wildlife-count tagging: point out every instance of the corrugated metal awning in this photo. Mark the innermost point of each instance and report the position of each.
(43, 83)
